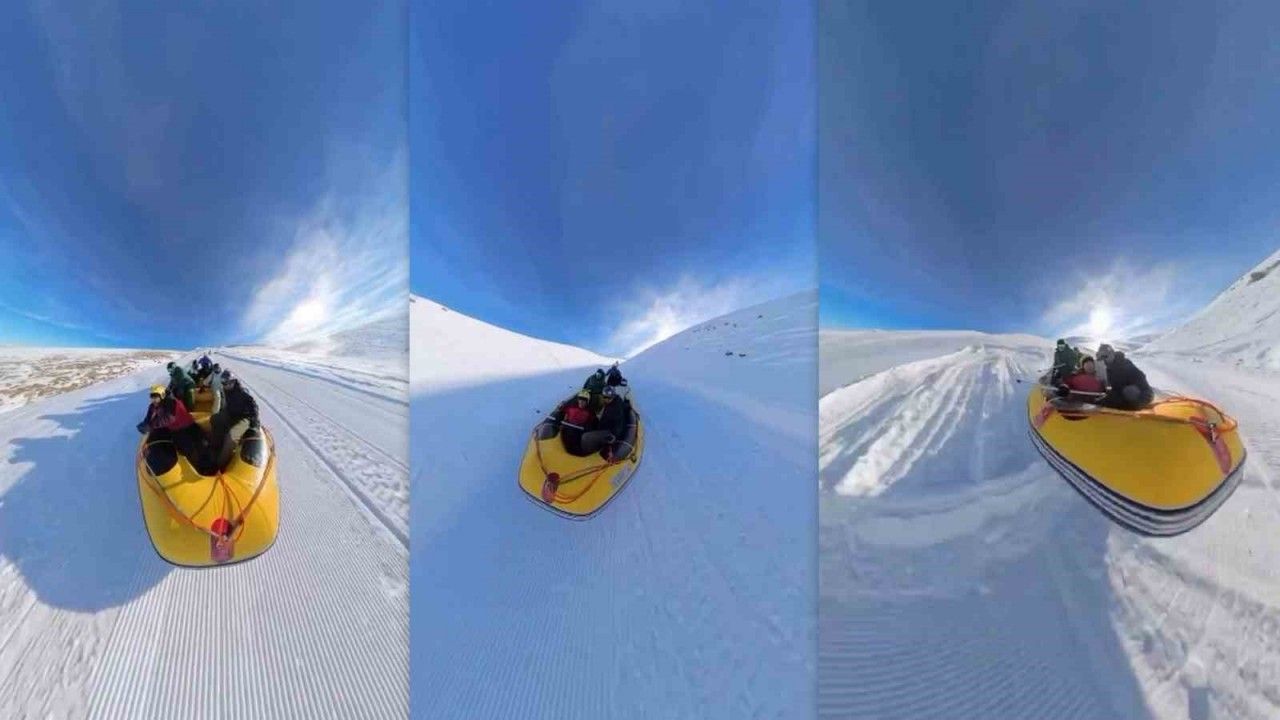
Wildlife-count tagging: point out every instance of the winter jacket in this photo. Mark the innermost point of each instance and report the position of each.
(595, 383)
(168, 414)
(215, 387)
(614, 377)
(1084, 382)
(1065, 359)
(180, 383)
(1121, 372)
(614, 417)
(239, 405)
(580, 418)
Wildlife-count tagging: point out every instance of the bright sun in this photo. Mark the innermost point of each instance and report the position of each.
(309, 313)
(1100, 321)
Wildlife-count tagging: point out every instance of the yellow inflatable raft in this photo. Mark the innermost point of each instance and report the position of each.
(198, 520)
(578, 487)
(1161, 470)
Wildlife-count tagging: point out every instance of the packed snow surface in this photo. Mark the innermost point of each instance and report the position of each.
(689, 595)
(960, 576)
(94, 624)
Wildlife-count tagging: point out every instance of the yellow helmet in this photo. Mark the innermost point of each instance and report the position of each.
(584, 395)
(158, 390)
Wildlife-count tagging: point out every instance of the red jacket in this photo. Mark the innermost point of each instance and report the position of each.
(1085, 382)
(575, 415)
(160, 417)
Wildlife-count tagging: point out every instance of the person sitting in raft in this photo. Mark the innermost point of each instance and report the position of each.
(1065, 359)
(614, 377)
(594, 384)
(1101, 367)
(203, 367)
(1085, 381)
(214, 383)
(611, 425)
(576, 422)
(181, 385)
(168, 419)
(238, 413)
(1129, 389)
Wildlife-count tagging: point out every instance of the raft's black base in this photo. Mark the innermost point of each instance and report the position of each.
(1135, 516)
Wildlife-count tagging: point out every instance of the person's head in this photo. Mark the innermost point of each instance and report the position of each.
(217, 369)
(157, 394)
(1087, 364)
(229, 381)
(171, 366)
(1105, 352)
(608, 394)
(1062, 343)
(582, 399)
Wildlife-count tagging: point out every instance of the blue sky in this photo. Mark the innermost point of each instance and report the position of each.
(605, 174)
(1043, 167)
(203, 174)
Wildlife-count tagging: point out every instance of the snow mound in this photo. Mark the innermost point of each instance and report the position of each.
(1241, 325)
(693, 573)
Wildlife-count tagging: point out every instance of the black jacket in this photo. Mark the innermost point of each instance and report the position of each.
(614, 417)
(239, 405)
(1121, 372)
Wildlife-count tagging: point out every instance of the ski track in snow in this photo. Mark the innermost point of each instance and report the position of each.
(961, 577)
(688, 596)
(95, 624)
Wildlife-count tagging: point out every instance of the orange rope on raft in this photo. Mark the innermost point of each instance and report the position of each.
(228, 497)
(1227, 423)
(565, 497)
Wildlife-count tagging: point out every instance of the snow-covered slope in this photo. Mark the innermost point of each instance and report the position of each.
(387, 337)
(94, 624)
(373, 356)
(1241, 325)
(690, 595)
(961, 577)
(451, 349)
(29, 373)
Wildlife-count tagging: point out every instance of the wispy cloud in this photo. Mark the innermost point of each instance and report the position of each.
(348, 265)
(655, 315)
(1123, 301)
(56, 322)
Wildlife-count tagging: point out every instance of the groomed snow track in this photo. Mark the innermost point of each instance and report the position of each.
(95, 624)
(971, 582)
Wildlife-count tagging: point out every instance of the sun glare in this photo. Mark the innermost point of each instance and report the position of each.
(1100, 321)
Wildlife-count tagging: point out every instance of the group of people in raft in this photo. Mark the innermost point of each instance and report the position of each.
(598, 416)
(169, 414)
(1110, 380)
